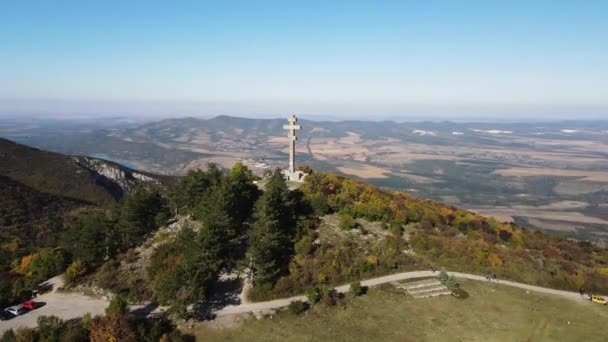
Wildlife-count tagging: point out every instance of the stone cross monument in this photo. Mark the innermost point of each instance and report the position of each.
(291, 135)
(292, 174)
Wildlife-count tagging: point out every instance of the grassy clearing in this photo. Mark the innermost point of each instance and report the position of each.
(492, 313)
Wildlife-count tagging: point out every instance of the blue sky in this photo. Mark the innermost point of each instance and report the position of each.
(340, 58)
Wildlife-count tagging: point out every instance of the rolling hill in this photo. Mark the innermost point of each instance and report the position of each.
(39, 191)
(79, 178)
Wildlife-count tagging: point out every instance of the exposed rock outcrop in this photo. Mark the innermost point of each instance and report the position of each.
(114, 177)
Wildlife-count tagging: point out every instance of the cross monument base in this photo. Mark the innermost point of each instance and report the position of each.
(295, 176)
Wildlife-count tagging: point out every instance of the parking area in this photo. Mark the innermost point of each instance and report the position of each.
(63, 305)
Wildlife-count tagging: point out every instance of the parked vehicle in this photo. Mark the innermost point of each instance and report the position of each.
(599, 300)
(5, 315)
(16, 310)
(30, 305)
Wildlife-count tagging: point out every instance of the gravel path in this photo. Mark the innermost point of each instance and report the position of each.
(74, 305)
(269, 306)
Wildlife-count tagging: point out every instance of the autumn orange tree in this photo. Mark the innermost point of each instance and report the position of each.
(112, 328)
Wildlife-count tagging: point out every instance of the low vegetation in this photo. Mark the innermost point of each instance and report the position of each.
(492, 312)
(114, 326)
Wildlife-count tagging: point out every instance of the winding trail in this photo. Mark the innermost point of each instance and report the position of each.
(70, 305)
(263, 307)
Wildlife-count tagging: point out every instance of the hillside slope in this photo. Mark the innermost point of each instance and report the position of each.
(42, 192)
(80, 178)
(30, 219)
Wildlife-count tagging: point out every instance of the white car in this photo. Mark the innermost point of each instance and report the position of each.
(16, 310)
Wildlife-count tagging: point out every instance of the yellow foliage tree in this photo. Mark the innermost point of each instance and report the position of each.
(23, 266)
(602, 271)
(372, 260)
(494, 260)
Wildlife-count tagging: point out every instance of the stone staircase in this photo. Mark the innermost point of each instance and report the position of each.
(424, 288)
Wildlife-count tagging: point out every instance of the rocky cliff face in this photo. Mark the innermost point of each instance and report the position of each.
(116, 178)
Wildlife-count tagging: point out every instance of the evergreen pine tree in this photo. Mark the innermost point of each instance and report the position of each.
(270, 239)
(139, 213)
(239, 183)
(220, 233)
(194, 188)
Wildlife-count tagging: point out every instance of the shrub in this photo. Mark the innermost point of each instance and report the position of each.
(396, 228)
(304, 246)
(460, 293)
(356, 289)
(448, 280)
(602, 271)
(347, 222)
(297, 307)
(111, 328)
(330, 297)
(24, 334)
(313, 294)
(106, 274)
(50, 328)
(451, 283)
(306, 169)
(504, 235)
(319, 206)
(75, 270)
(443, 277)
(118, 306)
(8, 336)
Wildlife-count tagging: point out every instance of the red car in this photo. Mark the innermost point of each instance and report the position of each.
(30, 305)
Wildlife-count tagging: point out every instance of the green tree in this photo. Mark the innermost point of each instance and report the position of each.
(140, 212)
(8, 336)
(356, 289)
(221, 228)
(75, 270)
(347, 222)
(195, 187)
(118, 306)
(89, 240)
(313, 295)
(270, 242)
(239, 184)
(183, 271)
(50, 328)
(297, 307)
(49, 262)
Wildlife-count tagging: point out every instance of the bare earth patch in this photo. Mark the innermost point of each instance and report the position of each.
(416, 178)
(538, 213)
(591, 176)
(364, 171)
